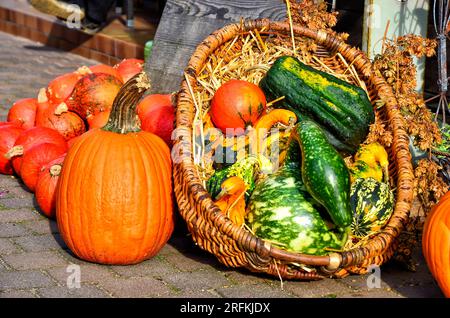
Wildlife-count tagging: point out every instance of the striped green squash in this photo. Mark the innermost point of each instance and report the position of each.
(341, 109)
(282, 211)
(372, 204)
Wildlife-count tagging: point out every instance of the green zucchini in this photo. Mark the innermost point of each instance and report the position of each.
(324, 172)
(342, 110)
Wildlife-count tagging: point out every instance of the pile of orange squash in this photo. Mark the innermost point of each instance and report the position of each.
(108, 185)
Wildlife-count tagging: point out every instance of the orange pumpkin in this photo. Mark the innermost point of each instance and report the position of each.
(436, 243)
(114, 199)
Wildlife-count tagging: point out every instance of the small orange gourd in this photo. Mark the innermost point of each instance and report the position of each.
(231, 199)
(436, 243)
(114, 199)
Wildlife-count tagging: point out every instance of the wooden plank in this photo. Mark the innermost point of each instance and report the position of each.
(185, 23)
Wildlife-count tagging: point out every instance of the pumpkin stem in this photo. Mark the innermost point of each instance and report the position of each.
(42, 95)
(83, 70)
(55, 170)
(14, 152)
(61, 108)
(123, 118)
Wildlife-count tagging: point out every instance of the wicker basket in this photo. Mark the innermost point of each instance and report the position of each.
(235, 246)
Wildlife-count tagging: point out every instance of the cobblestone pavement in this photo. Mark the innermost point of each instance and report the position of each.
(34, 260)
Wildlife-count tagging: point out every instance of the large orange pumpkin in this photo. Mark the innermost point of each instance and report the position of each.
(436, 243)
(114, 199)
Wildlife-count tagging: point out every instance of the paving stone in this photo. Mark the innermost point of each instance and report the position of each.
(92, 273)
(85, 291)
(307, 289)
(18, 215)
(243, 276)
(7, 183)
(259, 291)
(411, 284)
(17, 294)
(37, 243)
(44, 226)
(210, 293)
(3, 266)
(71, 258)
(15, 189)
(360, 282)
(12, 230)
(199, 280)
(189, 262)
(136, 287)
(182, 242)
(34, 260)
(24, 280)
(182, 253)
(374, 293)
(420, 291)
(168, 249)
(17, 203)
(155, 267)
(7, 247)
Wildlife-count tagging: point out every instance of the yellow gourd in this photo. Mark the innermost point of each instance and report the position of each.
(371, 161)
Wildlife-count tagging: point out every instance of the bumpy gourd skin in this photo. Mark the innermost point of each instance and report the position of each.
(324, 173)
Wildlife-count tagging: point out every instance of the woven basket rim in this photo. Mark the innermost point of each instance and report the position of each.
(200, 197)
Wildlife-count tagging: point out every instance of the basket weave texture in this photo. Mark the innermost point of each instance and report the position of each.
(235, 246)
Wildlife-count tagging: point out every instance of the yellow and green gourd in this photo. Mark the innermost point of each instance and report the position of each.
(372, 204)
(371, 161)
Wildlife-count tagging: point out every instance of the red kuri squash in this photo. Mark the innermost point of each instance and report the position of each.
(30, 138)
(93, 93)
(60, 88)
(46, 186)
(23, 112)
(103, 68)
(152, 102)
(236, 105)
(127, 68)
(8, 136)
(59, 118)
(72, 141)
(35, 159)
(98, 120)
(160, 122)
